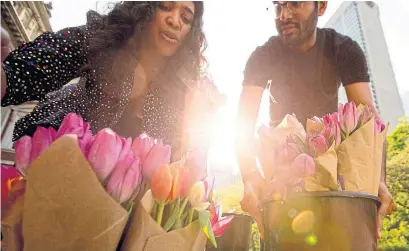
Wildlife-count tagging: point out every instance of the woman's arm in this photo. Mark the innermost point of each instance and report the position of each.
(42, 66)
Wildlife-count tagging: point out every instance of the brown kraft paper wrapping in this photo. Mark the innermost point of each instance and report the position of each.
(325, 177)
(66, 208)
(357, 161)
(145, 234)
(378, 154)
(11, 217)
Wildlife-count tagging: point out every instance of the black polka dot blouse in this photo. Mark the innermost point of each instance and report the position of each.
(40, 70)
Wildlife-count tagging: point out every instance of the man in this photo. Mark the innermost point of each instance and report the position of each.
(302, 68)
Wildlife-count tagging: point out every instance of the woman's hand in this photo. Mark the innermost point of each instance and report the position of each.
(5, 44)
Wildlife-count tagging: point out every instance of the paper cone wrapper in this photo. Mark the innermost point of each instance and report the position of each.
(145, 234)
(378, 155)
(66, 207)
(11, 218)
(325, 177)
(358, 160)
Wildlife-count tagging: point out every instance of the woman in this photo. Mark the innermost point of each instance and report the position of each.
(134, 65)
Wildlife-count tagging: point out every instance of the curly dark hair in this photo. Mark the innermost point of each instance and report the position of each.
(132, 17)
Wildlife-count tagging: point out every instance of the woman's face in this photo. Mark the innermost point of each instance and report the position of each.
(170, 25)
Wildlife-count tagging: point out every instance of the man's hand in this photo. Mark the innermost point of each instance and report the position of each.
(253, 190)
(386, 208)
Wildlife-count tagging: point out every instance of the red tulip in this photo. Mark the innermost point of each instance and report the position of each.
(125, 178)
(9, 177)
(209, 184)
(367, 114)
(219, 223)
(142, 146)
(104, 153)
(161, 185)
(23, 150)
(158, 156)
(318, 145)
(303, 165)
(40, 142)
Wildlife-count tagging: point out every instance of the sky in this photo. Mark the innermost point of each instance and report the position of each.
(233, 30)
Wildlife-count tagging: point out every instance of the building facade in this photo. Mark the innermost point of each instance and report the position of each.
(361, 22)
(24, 21)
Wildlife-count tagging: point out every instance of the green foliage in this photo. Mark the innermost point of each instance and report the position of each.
(399, 139)
(230, 197)
(255, 238)
(395, 234)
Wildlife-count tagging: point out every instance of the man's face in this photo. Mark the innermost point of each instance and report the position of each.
(297, 23)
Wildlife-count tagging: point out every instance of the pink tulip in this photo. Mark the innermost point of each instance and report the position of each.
(318, 145)
(23, 151)
(125, 178)
(379, 126)
(161, 185)
(74, 124)
(331, 129)
(40, 142)
(126, 147)
(286, 153)
(303, 165)
(348, 117)
(219, 223)
(317, 120)
(158, 156)
(104, 153)
(53, 133)
(367, 114)
(142, 145)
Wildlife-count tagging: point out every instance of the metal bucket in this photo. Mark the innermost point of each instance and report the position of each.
(321, 221)
(237, 236)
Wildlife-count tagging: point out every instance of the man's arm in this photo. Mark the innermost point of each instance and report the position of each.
(249, 106)
(360, 93)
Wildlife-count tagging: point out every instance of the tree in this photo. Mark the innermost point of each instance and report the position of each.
(395, 234)
(399, 138)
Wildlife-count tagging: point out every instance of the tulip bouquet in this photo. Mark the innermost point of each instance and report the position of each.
(116, 161)
(179, 200)
(299, 160)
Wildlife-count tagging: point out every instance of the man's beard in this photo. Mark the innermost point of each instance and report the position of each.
(306, 31)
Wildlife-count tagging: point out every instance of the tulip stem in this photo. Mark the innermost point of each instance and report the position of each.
(183, 207)
(160, 213)
(190, 216)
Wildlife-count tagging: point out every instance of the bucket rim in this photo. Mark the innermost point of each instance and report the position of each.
(348, 194)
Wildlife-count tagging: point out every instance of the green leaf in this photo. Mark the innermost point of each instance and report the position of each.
(206, 225)
(173, 217)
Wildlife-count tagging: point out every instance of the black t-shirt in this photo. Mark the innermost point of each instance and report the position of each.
(306, 83)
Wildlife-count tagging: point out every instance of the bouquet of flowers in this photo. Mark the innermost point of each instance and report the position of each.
(299, 160)
(178, 209)
(80, 189)
(342, 150)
